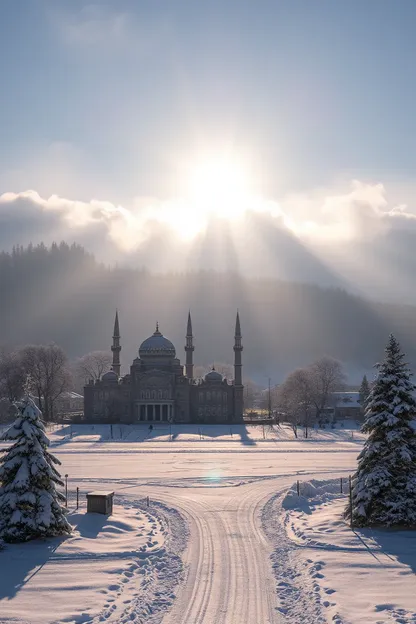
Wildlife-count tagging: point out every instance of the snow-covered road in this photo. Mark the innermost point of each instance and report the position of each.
(229, 579)
(229, 576)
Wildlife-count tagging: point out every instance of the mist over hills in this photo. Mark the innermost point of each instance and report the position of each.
(62, 294)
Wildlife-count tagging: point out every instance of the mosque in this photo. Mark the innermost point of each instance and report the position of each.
(159, 389)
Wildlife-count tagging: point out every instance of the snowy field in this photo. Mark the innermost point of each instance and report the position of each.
(344, 574)
(221, 434)
(246, 560)
(109, 569)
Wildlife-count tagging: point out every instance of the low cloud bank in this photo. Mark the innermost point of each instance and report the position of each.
(353, 237)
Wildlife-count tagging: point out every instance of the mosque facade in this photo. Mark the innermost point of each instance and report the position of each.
(159, 388)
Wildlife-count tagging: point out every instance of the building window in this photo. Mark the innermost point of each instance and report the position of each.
(201, 397)
(208, 395)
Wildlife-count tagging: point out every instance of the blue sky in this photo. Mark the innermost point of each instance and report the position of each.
(310, 89)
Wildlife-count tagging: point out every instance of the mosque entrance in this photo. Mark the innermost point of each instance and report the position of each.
(162, 412)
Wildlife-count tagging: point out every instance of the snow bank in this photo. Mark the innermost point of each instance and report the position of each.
(327, 572)
(312, 493)
(122, 568)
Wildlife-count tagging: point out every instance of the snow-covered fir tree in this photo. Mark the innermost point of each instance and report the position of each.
(30, 504)
(384, 486)
(364, 391)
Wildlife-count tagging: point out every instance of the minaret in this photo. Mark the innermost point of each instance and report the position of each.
(238, 374)
(116, 348)
(189, 349)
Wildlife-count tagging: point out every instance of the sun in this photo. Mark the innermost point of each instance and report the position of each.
(220, 187)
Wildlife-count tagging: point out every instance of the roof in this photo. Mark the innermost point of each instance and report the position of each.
(110, 376)
(71, 395)
(101, 493)
(157, 345)
(346, 399)
(213, 375)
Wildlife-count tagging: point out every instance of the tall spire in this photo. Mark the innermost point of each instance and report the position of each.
(116, 347)
(237, 325)
(189, 349)
(189, 325)
(116, 326)
(238, 371)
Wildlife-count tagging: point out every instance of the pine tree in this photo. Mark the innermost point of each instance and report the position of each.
(30, 504)
(364, 391)
(384, 486)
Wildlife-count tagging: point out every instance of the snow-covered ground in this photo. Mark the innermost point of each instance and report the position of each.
(121, 568)
(236, 435)
(346, 575)
(247, 560)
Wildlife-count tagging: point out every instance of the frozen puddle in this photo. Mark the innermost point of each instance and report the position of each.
(121, 568)
(353, 576)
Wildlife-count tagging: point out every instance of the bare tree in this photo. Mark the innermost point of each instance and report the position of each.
(93, 365)
(295, 399)
(47, 368)
(12, 374)
(251, 393)
(326, 377)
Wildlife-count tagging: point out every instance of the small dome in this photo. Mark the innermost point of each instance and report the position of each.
(110, 376)
(213, 375)
(157, 345)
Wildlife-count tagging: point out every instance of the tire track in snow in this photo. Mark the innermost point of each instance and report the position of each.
(229, 577)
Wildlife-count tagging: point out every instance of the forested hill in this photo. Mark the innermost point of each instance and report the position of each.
(62, 294)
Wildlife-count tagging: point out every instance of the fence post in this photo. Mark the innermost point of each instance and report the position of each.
(341, 486)
(297, 487)
(66, 491)
(77, 497)
(350, 483)
(147, 501)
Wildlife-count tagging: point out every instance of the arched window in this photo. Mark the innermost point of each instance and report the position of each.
(201, 397)
(208, 395)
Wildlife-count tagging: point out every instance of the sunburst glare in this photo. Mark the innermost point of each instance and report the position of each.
(220, 187)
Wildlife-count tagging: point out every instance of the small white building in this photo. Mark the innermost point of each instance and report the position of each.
(70, 403)
(347, 405)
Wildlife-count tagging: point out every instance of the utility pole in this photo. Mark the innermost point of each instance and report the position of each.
(269, 402)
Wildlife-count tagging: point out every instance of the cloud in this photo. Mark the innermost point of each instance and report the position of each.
(354, 238)
(96, 27)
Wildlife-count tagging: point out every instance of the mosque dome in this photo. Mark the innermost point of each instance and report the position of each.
(213, 375)
(157, 345)
(110, 377)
